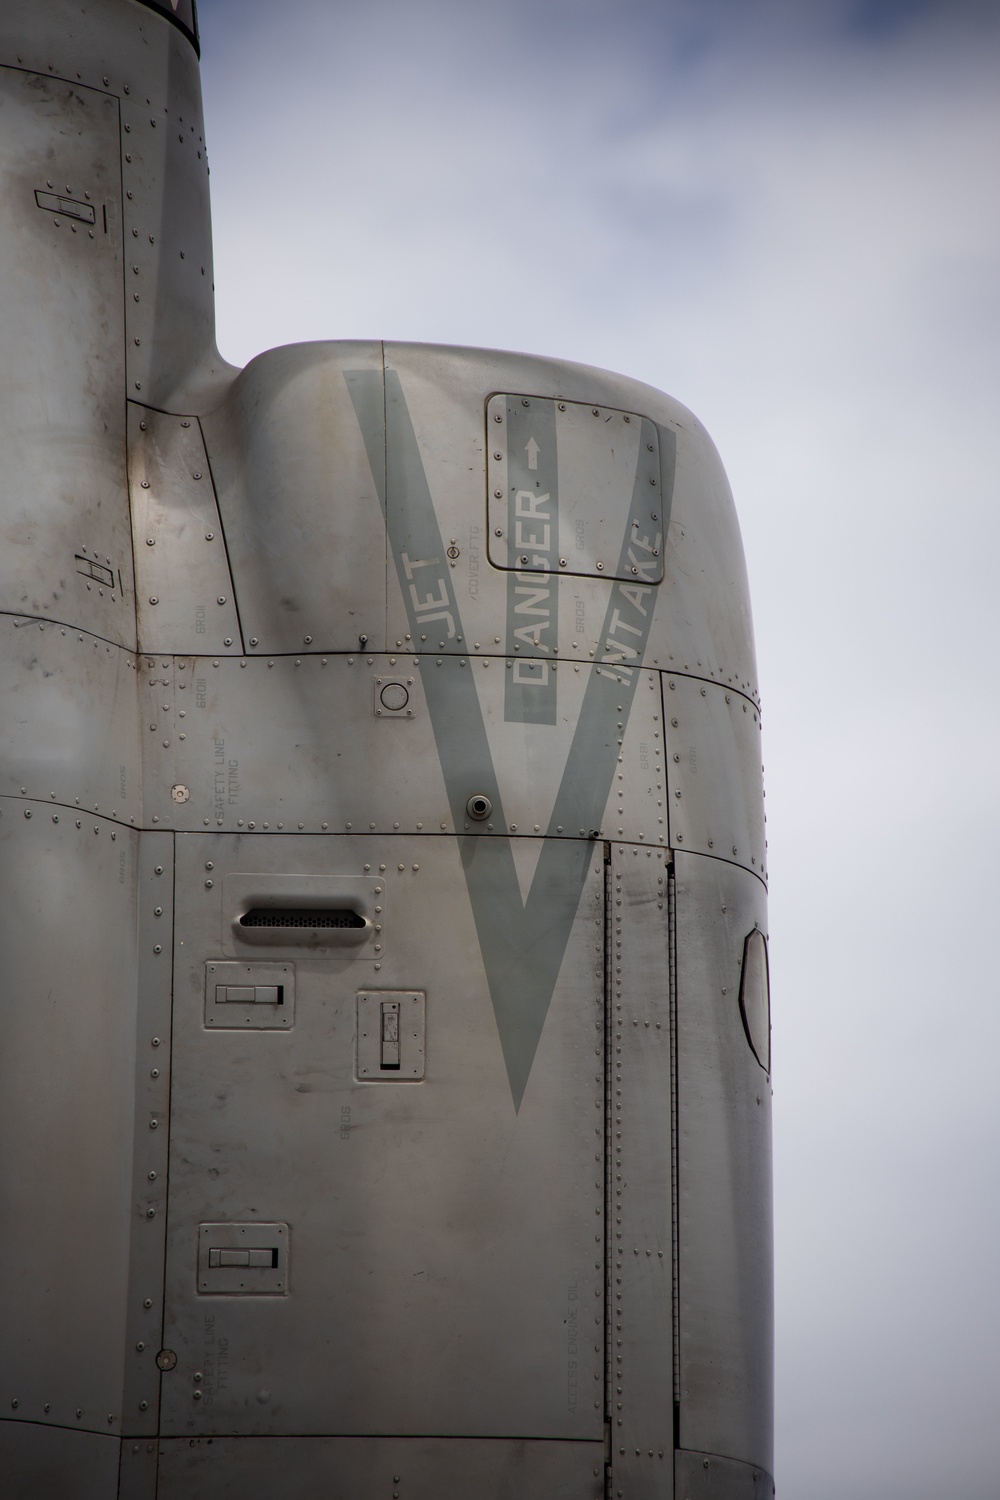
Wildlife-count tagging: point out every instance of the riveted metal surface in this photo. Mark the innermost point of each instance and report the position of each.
(565, 503)
(69, 733)
(293, 739)
(165, 689)
(434, 506)
(714, 772)
(146, 71)
(62, 419)
(724, 1172)
(299, 501)
(137, 1470)
(172, 361)
(227, 1468)
(37, 1461)
(436, 486)
(144, 1321)
(501, 1266)
(180, 551)
(706, 1476)
(640, 1238)
(708, 631)
(449, 1273)
(68, 936)
(699, 615)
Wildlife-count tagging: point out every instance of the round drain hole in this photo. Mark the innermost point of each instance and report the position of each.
(479, 807)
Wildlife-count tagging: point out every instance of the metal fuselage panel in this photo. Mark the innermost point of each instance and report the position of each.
(431, 1228)
(380, 795)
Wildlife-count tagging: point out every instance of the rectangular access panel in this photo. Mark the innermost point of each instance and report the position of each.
(359, 1184)
(67, 551)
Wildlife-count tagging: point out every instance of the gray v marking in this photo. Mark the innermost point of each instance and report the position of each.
(523, 944)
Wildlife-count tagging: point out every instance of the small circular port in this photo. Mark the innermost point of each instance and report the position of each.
(394, 697)
(479, 807)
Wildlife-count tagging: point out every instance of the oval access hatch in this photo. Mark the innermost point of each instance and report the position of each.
(755, 998)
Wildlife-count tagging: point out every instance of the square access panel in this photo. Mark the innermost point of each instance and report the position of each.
(243, 1259)
(391, 1036)
(249, 997)
(573, 489)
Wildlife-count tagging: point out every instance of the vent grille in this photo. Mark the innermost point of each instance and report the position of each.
(286, 917)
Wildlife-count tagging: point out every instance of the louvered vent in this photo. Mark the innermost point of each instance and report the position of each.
(285, 917)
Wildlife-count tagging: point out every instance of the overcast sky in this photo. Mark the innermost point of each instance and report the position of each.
(786, 215)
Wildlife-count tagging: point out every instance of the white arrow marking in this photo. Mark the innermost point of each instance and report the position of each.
(531, 448)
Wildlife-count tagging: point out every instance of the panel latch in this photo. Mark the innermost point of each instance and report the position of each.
(391, 1035)
(249, 997)
(243, 1259)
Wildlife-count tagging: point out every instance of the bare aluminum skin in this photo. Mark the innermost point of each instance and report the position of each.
(385, 1082)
